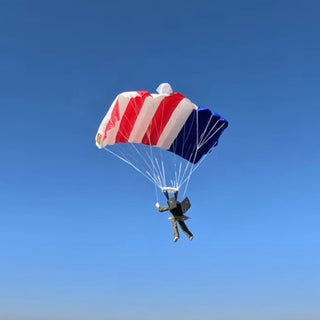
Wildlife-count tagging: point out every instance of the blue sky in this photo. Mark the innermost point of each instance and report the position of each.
(80, 237)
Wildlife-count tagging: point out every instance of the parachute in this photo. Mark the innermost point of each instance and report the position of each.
(163, 135)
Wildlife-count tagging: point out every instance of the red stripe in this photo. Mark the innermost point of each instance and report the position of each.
(161, 118)
(130, 116)
(115, 117)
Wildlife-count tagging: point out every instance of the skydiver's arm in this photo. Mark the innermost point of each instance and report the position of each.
(162, 209)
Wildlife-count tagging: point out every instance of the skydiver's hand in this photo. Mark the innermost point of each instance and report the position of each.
(157, 205)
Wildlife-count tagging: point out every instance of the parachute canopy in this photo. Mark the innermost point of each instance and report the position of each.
(163, 122)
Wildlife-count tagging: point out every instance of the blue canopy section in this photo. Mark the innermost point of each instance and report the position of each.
(199, 135)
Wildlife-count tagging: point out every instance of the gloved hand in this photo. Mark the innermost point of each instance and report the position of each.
(157, 205)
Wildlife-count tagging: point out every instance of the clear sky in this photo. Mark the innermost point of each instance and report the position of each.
(80, 237)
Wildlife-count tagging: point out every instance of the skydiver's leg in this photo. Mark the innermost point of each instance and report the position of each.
(185, 229)
(166, 194)
(174, 228)
(176, 195)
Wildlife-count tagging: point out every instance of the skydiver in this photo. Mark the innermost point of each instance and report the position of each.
(177, 215)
